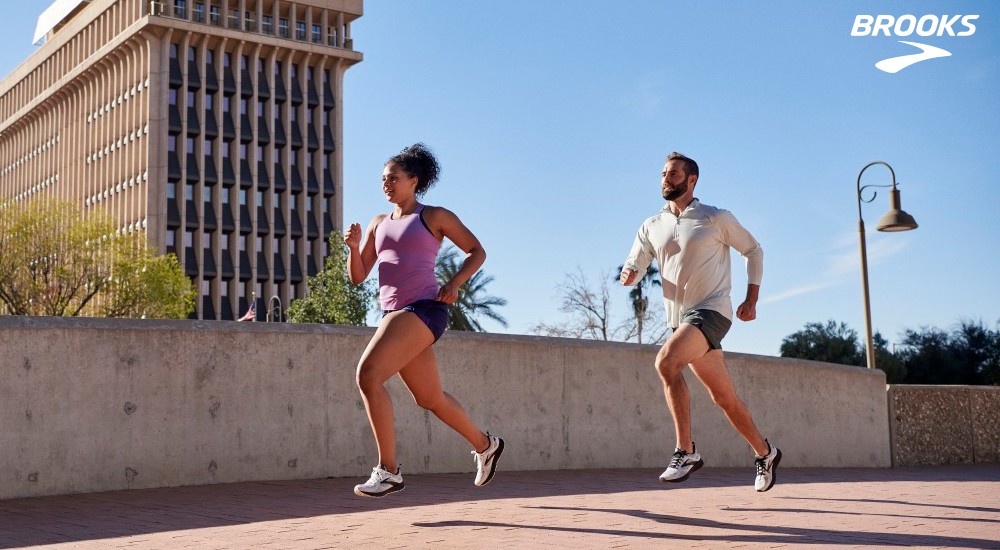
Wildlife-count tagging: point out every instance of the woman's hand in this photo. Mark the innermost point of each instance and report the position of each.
(352, 238)
(447, 293)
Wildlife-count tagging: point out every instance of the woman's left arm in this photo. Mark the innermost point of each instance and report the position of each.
(444, 223)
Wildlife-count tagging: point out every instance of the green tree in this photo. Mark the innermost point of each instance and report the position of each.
(332, 298)
(147, 286)
(55, 261)
(887, 361)
(473, 303)
(970, 354)
(831, 343)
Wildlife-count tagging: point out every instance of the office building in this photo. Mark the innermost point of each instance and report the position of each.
(211, 127)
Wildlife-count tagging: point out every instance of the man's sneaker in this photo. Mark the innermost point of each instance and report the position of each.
(486, 461)
(767, 468)
(381, 483)
(681, 465)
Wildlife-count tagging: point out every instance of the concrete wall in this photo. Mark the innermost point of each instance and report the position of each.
(933, 425)
(102, 404)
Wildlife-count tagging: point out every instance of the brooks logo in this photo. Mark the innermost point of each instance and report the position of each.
(907, 25)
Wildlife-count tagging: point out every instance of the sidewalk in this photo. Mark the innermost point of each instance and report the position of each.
(943, 507)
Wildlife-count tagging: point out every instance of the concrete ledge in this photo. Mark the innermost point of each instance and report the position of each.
(933, 425)
(102, 404)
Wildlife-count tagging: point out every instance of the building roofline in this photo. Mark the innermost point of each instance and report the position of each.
(53, 15)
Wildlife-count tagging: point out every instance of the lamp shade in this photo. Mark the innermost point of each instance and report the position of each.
(895, 219)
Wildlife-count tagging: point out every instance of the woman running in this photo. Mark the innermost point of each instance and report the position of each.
(404, 243)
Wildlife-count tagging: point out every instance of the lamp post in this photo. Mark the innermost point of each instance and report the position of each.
(893, 220)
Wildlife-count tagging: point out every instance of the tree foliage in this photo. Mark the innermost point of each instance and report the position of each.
(332, 299)
(55, 261)
(830, 343)
(473, 303)
(969, 354)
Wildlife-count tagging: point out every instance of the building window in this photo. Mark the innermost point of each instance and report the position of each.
(172, 144)
(170, 240)
(209, 102)
(225, 195)
(188, 239)
(243, 243)
(214, 15)
(189, 192)
(317, 34)
(171, 190)
(248, 22)
(234, 19)
(283, 27)
(243, 197)
(172, 97)
(190, 145)
(225, 104)
(199, 12)
(206, 148)
(173, 51)
(331, 36)
(267, 24)
(300, 30)
(180, 8)
(206, 242)
(192, 53)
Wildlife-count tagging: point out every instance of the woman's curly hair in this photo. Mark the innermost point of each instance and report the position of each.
(418, 161)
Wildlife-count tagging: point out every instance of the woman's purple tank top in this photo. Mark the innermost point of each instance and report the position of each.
(406, 251)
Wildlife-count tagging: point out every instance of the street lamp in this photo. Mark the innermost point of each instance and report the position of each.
(893, 220)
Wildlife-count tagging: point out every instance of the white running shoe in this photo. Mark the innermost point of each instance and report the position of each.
(681, 465)
(486, 461)
(381, 483)
(767, 468)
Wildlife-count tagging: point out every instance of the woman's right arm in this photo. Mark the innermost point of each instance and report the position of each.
(361, 255)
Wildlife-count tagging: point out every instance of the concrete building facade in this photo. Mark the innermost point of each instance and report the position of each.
(211, 127)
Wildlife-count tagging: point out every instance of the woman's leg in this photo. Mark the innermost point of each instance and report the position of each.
(401, 336)
(422, 379)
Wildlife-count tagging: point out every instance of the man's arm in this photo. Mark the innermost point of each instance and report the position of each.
(638, 260)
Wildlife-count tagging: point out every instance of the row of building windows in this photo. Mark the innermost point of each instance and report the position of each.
(122, 98)
(112, 190)
(30, 155)
(118, 144)
(37, 188)
(212, 14)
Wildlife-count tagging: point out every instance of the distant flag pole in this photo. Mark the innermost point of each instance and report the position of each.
(251, 314)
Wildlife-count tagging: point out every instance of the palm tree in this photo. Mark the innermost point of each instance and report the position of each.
(640, 302)
(472, 301)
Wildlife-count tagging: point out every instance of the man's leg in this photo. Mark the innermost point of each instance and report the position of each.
(684, 346)
(711, 370)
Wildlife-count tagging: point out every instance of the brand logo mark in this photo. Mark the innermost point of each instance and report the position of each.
(907, 25)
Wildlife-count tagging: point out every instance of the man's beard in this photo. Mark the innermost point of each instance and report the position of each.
(676, 193)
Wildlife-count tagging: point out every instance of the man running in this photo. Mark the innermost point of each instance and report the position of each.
(690, 242)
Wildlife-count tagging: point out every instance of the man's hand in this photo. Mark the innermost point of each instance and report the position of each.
(747, 311)
(628, 276)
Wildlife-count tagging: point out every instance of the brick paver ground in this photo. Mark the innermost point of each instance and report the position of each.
(946, 507)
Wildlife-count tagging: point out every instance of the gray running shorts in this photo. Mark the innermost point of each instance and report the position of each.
(711, 323)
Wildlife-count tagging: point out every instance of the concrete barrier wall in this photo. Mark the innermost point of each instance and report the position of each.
(932, 425)
(102, 404)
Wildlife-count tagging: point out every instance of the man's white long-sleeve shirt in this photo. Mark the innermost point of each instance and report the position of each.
(692, 251)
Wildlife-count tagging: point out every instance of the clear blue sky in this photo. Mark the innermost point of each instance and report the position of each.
(552, 120)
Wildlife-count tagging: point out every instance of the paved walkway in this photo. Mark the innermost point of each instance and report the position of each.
(947, 507)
